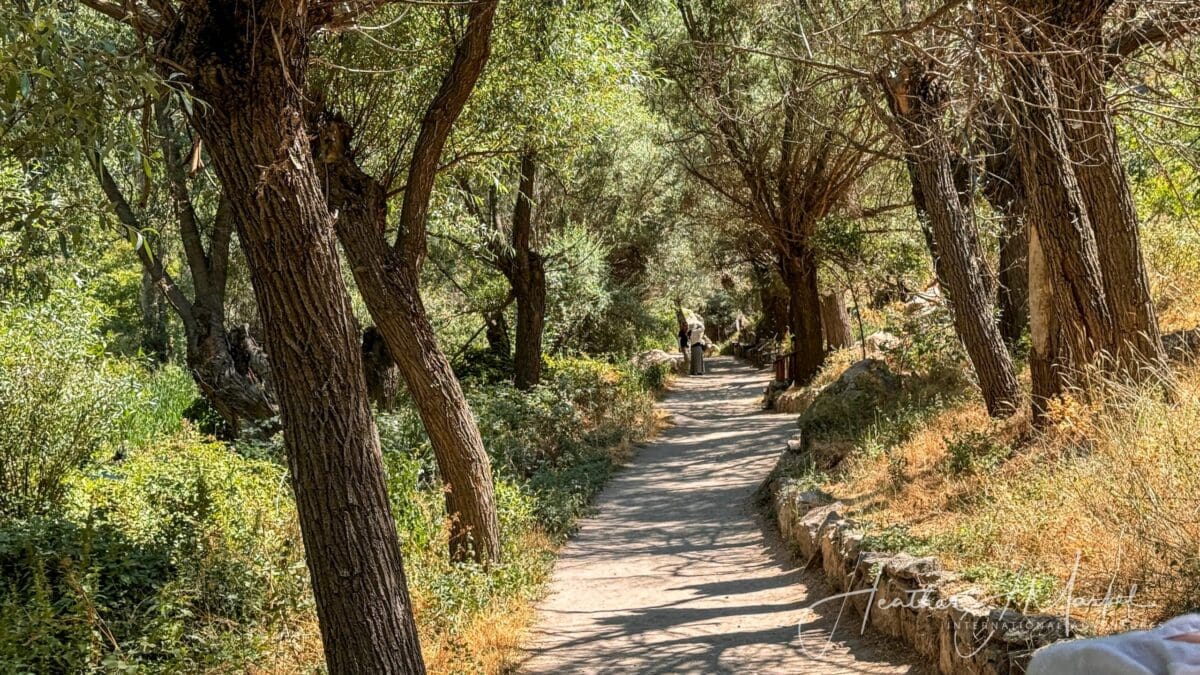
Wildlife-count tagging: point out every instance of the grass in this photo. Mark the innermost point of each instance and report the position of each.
(1103, 503)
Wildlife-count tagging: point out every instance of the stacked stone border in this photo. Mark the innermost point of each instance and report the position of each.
(907, 598)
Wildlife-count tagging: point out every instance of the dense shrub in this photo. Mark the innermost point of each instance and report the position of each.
(184, 556)
(56, 412)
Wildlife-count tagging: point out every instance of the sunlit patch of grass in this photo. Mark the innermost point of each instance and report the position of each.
(1103, 501)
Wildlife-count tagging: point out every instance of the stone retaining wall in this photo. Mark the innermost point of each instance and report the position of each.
(907, 596)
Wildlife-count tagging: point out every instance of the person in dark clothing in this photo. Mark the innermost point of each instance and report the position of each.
(696, 338)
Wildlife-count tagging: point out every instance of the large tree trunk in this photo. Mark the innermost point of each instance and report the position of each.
(916, 99)
(808, 347)
(1004, 188)
(1092, 140)
(835, 321)
(252, 124)
(1043, 330)
(388, 281)
(527, 274)
(1064, 234)
(388, 277)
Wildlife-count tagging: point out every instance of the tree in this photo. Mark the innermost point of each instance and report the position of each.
(1090, 296)
(918, 98)
(388, 276)
(785, 144)
(227, 364)
(835, 321)
(246, 65)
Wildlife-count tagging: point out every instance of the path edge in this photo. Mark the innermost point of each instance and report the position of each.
(905, 597)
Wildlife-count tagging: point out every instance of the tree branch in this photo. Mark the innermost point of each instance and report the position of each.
(469, 60)
(151, 262)
(129, 13)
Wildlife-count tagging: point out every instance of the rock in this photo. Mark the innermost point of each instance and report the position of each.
(656, 357)
(880, 344)
(905, 566)
(1182, 345)
(847, 407)
(924, 303)
(795, 445)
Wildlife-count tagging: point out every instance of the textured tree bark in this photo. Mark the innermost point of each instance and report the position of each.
(835, 321)
(916, 99)
(804, 297)
(526, 272)
(388, 281)
(388, 277)
(1004, 189)
(1080, 65)
(1066, 239)
(236, 393)
(253, 127)
(1043, 330)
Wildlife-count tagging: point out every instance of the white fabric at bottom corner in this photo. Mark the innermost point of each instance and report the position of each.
(1150, 652)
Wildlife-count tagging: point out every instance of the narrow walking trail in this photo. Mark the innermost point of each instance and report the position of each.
(677, 572)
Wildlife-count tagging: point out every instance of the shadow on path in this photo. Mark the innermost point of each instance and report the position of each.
(676, 572)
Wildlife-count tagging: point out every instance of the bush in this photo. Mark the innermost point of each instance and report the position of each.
(181, 558)
(973, 452)
(56, 406)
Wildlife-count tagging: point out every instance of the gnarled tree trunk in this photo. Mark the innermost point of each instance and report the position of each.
(916, 98)
(388, 280)
(804, 297)
(1004, 188)
(252, 124)
(1069, 270)
(1092, 140)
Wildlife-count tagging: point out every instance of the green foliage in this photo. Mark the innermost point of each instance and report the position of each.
(165, 561)
(895, 539)
(974, 452)
(1026, 591)
(56, 409)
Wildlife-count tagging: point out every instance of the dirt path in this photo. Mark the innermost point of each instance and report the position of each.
(677, 573)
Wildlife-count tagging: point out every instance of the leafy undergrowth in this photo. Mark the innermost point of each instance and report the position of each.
(1098, 513)
(171, 552)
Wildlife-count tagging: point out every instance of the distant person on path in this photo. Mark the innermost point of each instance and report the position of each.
(683, 342)
(696, 338)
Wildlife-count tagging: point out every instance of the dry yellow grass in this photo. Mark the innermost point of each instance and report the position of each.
(1105, 502)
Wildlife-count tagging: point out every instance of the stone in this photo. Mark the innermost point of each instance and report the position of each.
(905, 566)
(879, 345)
(847, 407)
(656, 357)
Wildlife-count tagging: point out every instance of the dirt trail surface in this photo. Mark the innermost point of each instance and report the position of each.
(678, 573)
